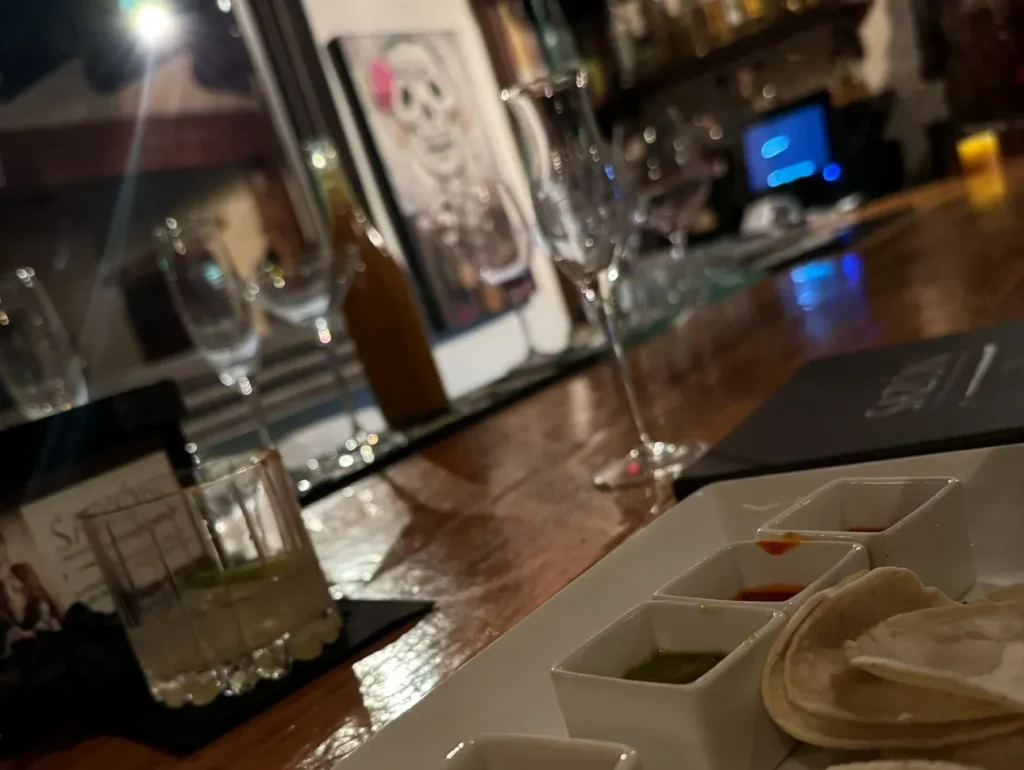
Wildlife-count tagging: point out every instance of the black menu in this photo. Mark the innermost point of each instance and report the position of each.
(962, 391)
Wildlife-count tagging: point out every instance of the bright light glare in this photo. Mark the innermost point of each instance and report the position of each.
(152, 22)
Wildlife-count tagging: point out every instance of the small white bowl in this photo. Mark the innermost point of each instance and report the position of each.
(921, 525)
(714, 723)
(534, 752)
(723, 575)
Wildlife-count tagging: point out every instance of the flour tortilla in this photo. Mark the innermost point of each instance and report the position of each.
(974, 650)
(913, 764)
(1003, 753)
(1011, 593)
(839, 734)
(820, 680)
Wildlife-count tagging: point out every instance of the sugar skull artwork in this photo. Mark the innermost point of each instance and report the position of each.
(416, 97)
(410, 82)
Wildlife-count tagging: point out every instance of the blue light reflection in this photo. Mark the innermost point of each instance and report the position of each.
(789, 174)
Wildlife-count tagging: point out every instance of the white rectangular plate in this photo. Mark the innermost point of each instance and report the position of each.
(507, 687)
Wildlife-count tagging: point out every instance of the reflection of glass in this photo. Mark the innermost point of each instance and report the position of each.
(500, 242)
(583, 210)
(38, 365)
(672, 182)
(308, 289)
(216, 583)
(215, 306)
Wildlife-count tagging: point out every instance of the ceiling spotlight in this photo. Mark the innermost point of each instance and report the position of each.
(152, 21)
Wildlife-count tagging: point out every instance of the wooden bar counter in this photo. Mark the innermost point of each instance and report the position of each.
(494, 520)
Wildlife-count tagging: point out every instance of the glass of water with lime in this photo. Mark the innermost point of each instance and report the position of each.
(216, 581)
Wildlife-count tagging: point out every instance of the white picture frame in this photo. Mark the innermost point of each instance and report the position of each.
(483, 354)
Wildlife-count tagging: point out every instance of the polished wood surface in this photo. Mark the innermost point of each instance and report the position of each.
(494, 520)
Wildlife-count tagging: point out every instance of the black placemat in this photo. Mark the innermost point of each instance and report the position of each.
(85, 680)
(183, 730)
(961, 391)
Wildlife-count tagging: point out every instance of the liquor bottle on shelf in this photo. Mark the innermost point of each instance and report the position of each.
(735, 14)
(384, 320)
(701, 39)
(638, 37)
(556, 37)
(760, 10)
(677, 17)
(719, 24)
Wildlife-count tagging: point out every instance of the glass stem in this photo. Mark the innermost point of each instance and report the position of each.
(531, 352)
(604, 304)
(325, 338)
(692, 281)
(251, 396)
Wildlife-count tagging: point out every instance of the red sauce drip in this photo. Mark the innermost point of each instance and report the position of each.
(779, 546)
(867, 530)
(771, 593)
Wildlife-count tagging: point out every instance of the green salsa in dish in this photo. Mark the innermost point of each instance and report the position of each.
(667, 667)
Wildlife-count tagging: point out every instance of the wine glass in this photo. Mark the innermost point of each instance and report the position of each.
(663, 162)
(500, 241)
(307, 288)
(583, 209)
(215, 306)
(38, 364)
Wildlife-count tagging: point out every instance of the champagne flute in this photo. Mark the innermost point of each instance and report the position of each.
(307, 288)
(583, 209)
(215, 306)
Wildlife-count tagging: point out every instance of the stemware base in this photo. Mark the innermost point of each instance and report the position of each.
(651, 462)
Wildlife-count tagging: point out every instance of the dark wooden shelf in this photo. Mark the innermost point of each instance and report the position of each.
(39, 159)
(830, 13)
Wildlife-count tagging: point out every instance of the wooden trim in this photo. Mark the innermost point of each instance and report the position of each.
(40, 158)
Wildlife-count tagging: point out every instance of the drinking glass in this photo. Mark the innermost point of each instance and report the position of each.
(215, 305)
(216, 582)
(38, 364)
(583, 209)
(500, 241)
(308, 289)
(662, 160)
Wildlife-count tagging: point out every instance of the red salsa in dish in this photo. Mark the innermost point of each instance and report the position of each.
(779, 592)
(780, 545)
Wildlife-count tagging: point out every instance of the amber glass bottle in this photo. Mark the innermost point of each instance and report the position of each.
(384, 320)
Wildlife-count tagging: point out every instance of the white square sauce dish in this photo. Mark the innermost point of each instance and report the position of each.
(759, 574)
(534, 752)
(715, 721)
(919, 523)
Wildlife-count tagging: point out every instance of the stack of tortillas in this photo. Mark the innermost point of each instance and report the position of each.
(881, 662)
(902, 765)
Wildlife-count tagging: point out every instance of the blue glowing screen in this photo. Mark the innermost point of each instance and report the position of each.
(787, 147)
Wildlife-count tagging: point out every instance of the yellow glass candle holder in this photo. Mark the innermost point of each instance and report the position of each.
(982, 165)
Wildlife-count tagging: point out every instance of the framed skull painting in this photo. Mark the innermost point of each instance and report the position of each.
(429, 147)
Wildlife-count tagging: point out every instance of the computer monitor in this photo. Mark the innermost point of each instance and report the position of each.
(789, 145)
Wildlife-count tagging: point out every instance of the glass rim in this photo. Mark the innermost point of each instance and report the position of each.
(560, 81)
(255, 459)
